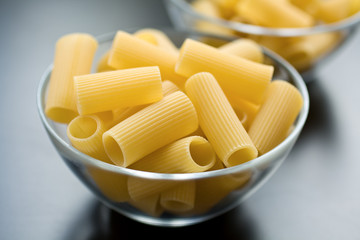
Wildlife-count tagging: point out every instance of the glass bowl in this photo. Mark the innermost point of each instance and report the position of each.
(304, 48)
(217, 191)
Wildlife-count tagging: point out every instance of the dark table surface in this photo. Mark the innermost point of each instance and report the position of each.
(314, 195)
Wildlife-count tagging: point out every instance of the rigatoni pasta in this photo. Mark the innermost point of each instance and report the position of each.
(218, 120)
(122, 88)
(73, 56)
(153, 127)
(180, 198)
(275, 117)
(245, 48)
(235, 75)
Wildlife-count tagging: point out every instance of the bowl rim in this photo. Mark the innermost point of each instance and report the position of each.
(298, 82)
(346, 23)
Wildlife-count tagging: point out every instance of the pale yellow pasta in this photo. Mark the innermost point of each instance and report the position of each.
(149, 205)
(354, 6)
(153, 127)
(122, 113)
(209, 9)
(128, 51)
(277, 14)
(333, 10)
(186, 155)
(85, 134)
(157, 38)
(305, 52)
(180, 198)
(218, 120)
(73, 56)
(235, 74)
(245, 48)
(104, 91)
(142, 188)
(271, 125)
(103, 65)
(110, 184)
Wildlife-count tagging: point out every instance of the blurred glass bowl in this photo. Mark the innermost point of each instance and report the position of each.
(216, 191)
(304, 48)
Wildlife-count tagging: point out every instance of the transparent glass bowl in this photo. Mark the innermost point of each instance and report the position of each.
(216, 191)
(281, 40)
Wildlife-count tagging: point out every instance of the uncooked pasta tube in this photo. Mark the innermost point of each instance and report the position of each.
(271, 125)
(149, 205)
(180, 198)
(104, 91)
(73, 56)
(142, 188)
(245, 48)
(332, 10)
(128, 51)
(157, 38)
(235, 75)
(103, 65)
(218, 120)
(153, 127)
(121, 114)
(190, 154)
(85, 134)
(277, 14)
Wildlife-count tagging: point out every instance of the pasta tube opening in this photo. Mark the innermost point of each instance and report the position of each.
(61, 114)
(113, 150)
(240, 155)
(83, 127)
(202, 152)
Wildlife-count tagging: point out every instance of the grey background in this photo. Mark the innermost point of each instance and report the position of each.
(314, 195)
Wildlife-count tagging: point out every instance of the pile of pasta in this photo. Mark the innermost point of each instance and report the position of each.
(155, 108)
(301, 51)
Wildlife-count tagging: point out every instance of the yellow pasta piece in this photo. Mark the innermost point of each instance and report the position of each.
(141, 188)
(104, 91)
(180, 198)
(103, 65)
(332, 10)
(153, 127)
(128, 51)
(85, 134)
(305, 52)
(190, 154)
(218, 120)
(209, 9)
(73, 56)
(277, 14)
(149, 205)
(235, 75)
(245, 48)
(271, 125)
(354, 7)
(121, 114)
(157, 38)
(110, 184)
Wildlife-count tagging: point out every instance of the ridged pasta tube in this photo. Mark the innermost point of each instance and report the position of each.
(104, 91)
(73, 56)
(245, 48)
(140, 188)
(186, 155)
(150, 205)
(180, 198)
(271, 125)
(85, 134)
(155, 126)
(235, 75)
(277, 14)
(128, 51)
(218, 120)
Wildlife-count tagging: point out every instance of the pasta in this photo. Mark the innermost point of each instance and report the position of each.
(235, 75)
(122, 88)
(246, 111)
(73, 56)
(149, 205)
(85, 134)
(276, 116)
(129, 51)
(180, 198)
(277, 14)
(103, 65)
(140, 188)
(218, 120)
(153, 127)
(190, 154)
(332, 10)
(245, 48)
